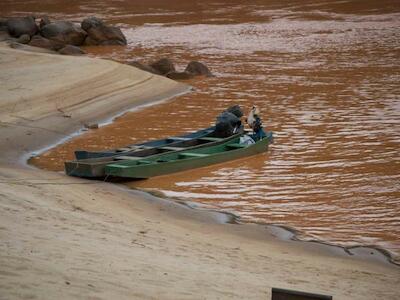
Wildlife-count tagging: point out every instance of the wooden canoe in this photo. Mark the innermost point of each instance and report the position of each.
(185, 160)
(83, 154)
(94, 167)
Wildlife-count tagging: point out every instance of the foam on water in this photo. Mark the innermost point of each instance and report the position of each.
(280, 35)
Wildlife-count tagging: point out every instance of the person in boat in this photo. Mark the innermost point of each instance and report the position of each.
(229, 122)
(255, 123)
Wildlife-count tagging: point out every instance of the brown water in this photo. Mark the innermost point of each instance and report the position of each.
(326, 75)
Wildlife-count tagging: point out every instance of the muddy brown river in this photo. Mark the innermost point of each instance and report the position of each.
(326, 75)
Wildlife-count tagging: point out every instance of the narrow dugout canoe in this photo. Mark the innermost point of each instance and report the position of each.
(170, 141)
(188, 159)
(94, 167)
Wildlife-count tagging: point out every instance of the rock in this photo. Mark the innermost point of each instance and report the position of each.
(4, 36)
(143, 67)
(71, 50)
(164, 66)
(3, 22)
(197, 68)
(64, 32)
(91, 22)
(101, 34)
(180, 75)
(3, 25)
(89, 41)
(24, 39)
(105, 35)
(44, 21)
(18, 26)
(41, 42)
(91, 126)
(113, 41)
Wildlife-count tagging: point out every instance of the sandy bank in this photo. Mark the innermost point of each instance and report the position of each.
(45, 97)
(69, 238)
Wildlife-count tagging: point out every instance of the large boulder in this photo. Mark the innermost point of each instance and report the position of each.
(64, 32)
(143, 67)
(41, 42)
(180, 75)
(91, 22)
(164, 66)
(101, 34)
(18, 26)
(71, 50)
(197, 68)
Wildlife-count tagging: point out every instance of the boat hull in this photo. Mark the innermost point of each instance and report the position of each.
(197, 159)
(95, 167)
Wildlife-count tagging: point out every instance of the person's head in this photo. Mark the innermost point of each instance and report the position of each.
(254, 111)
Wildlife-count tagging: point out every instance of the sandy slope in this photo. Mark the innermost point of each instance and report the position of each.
(69, 238)
(45, 97)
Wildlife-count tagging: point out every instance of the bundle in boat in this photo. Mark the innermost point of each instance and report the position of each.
(94, 167)
(188, 159)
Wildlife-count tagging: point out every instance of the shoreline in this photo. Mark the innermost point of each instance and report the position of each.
(99, 240)
(104, 122)
(287, 232)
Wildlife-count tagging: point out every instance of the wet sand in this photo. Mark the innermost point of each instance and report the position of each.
(78, 239)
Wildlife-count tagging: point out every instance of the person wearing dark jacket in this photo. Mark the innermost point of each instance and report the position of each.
(228, 122)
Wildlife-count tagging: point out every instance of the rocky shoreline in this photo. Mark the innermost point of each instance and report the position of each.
(62, 36)
(68, 38)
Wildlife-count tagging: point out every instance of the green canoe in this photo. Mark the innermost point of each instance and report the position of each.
(185, 160)
(94, 167)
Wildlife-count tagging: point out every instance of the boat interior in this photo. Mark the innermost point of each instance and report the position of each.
(174, 156)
